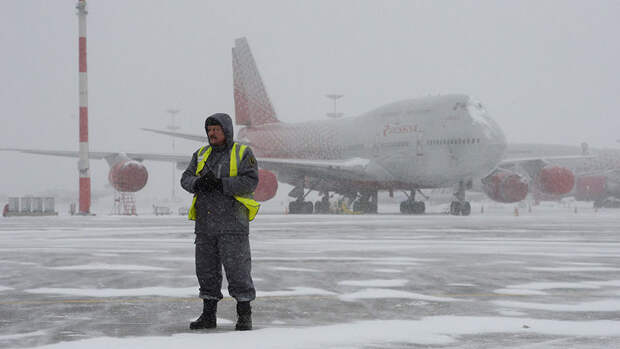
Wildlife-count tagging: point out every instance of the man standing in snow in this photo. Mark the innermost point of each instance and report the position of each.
(222, 177)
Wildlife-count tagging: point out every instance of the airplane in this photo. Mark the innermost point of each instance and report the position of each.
(409, 145)
(597, 173)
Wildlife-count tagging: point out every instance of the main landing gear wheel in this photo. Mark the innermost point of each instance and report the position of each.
(460, 208)
(366, 202)
(364, 207)
(321, 207)
(412, 207)
(300, 207)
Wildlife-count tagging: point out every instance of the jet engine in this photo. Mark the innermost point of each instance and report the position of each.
(128, 176)
(590, 188)
(555, 180)
(267, 185)
(505, 186)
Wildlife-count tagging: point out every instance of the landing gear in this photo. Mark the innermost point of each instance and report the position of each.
(300, 207)
(354, 202)
(460, 207)
(366, 202)
(410, 206)
(322, 206)
(609, 202)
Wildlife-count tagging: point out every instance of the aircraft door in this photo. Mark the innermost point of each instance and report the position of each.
(419, 143)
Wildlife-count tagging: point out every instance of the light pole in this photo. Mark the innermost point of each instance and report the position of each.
(334, 97)
(173, 128)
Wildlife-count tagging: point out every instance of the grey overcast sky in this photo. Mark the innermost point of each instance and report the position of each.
(548, 71)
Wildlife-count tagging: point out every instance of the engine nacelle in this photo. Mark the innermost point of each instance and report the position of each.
(505, 186)
(267, 185)
(555, 180)
(128, 176)
(591, 188)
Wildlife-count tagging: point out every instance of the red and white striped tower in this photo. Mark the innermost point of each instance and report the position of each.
(83, 164)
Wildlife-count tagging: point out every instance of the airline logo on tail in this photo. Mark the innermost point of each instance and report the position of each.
(252, 104)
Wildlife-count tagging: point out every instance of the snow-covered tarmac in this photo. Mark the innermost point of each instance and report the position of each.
(547, 279)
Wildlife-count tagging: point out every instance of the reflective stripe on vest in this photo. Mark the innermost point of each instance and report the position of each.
(246, 200)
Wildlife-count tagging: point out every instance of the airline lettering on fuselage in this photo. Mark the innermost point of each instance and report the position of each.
(389, 129)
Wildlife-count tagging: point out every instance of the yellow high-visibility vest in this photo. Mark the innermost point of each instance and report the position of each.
(246, 200)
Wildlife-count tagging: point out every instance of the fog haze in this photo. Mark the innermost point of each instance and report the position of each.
(547, 71)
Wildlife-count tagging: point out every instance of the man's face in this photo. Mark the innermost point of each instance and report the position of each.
(216, 135)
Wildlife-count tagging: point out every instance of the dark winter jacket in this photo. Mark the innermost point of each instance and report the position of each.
(219, 212)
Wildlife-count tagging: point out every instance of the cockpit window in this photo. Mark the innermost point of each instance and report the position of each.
(459, 105)
(477, 111)
(479, 115)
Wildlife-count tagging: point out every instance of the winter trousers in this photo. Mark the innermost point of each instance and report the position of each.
(233, 252)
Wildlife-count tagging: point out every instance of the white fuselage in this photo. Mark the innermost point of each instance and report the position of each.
(423, 143)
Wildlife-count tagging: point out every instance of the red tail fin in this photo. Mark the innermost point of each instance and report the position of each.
(252, 104)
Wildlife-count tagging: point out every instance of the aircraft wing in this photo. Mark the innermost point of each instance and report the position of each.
(106, 155)
(358, 168)
(545, 158)
(533, 165)
(193, 137)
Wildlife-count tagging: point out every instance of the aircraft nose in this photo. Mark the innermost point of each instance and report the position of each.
(495, 135)
(491, 133)
(497, 142)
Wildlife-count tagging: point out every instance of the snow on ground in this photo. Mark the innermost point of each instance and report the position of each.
(542, 279)
(605, 305)
(383, 293)
(519, 291)
(165, 292)
(574, 268)
(535, 288)
(295, 269)
(105, 266)
(440, 330)
(21, 335)
(505, 312)
(386, 270)
(375, 283)
(552, 285)
(112, 292)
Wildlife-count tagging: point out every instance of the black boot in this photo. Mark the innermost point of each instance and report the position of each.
(244, 313)
(207, 318)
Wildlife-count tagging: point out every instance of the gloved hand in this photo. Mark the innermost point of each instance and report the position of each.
(201, 184)
(213, 182)
(208, 182)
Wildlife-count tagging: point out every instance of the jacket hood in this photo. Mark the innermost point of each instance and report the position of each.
(227, 126)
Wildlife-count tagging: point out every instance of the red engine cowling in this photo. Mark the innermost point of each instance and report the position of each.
(555, 180)
(128, 176)
(589, 188)
(505, 186)
(267, 185)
